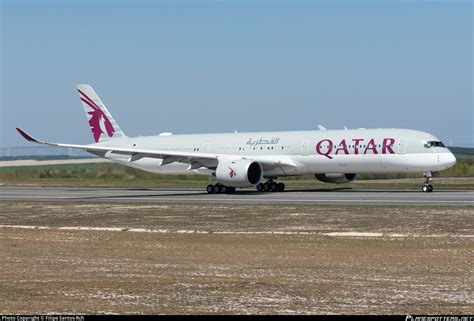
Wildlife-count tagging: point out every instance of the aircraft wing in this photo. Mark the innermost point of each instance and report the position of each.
(167, 156)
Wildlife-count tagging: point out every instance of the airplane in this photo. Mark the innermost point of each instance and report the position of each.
(237, 160)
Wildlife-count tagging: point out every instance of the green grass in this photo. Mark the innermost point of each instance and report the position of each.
(94, 174)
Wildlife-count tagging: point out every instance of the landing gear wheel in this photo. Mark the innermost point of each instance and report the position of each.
(217, 189)
(266, 187)
(270, 186)
(273, 187)
(427, 187)
(210, 189)
(280, 187)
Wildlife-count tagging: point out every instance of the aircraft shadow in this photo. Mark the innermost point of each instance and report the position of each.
(187, 193)
(195, 193)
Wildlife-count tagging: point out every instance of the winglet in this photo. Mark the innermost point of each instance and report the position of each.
(28, 137)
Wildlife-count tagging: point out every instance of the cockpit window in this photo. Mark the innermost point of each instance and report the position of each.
(434, 144)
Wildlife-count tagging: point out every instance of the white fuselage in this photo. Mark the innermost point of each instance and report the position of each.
(327, 151)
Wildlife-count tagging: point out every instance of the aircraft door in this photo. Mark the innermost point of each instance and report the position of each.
(402, 146)
(305, 147)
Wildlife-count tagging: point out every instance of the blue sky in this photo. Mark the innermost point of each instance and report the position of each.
(216, 66)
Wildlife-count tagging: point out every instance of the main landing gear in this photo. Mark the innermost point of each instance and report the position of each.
(268, 186)
(219, 189)
(427, 187)
(271, 186)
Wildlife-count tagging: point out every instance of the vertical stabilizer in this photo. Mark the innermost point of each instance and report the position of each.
(101, 122)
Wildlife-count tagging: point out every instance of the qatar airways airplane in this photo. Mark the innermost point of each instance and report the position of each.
(237, 160)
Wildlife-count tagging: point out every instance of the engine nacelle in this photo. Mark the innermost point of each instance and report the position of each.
(338, 178)
(239, 173)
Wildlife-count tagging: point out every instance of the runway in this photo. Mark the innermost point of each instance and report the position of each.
(245, 196)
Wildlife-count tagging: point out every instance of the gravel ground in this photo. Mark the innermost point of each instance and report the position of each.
(192, 259)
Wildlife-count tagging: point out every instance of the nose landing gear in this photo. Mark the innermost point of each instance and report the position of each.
(427, 187)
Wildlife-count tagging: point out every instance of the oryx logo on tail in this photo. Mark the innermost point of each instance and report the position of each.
(98, 120)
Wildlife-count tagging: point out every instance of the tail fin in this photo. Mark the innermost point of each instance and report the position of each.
(102, 124)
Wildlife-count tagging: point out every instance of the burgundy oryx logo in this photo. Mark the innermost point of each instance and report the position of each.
(98, 121)
(232, 173)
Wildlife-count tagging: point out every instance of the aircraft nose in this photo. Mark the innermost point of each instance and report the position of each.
(450, 159)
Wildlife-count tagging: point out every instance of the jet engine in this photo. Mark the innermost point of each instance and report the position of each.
(239, 173)
(338, 178)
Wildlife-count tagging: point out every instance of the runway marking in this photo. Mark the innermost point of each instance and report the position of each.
(166, 231)
(361, 234)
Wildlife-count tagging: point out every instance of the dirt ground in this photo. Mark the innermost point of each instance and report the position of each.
(193, 259)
